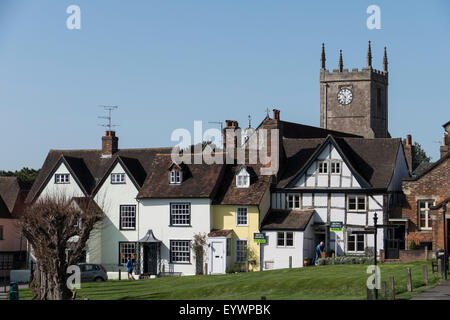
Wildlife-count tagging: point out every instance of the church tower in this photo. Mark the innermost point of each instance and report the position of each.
(355, 101)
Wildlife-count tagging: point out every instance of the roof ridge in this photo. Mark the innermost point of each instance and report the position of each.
(99, 150)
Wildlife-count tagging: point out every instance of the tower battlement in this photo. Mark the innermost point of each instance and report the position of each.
(355, 101)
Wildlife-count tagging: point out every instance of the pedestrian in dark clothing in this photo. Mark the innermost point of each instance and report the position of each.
(319, 249)
(130, 269)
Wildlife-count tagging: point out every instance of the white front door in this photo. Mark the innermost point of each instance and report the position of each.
(217, 257)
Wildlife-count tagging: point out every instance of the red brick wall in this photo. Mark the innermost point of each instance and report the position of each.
(410, 255)
(433, 185)
(414, 255)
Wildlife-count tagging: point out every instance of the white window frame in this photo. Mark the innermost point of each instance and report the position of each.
(294, 196)
(237, 216)
(130, 219)
(321, 165)
(243, 179)
(426, 210)
(118, 178)
(183, 259)
(337, 165)
(175, 177)
(284, 235)
(62, 178)
(356, 243)
(176, 206)
(357, 201)
(236, 253)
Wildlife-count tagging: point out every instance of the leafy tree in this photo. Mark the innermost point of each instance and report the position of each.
(419, 155)
(25, 174)
(191, 148)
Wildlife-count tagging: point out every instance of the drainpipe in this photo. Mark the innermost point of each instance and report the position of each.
(138, 252)
(325, 106)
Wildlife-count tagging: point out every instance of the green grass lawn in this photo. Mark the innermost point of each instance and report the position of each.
(324, 282)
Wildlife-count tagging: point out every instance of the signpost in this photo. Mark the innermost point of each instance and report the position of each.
(373, 230)
(336, 226)
(260, 239)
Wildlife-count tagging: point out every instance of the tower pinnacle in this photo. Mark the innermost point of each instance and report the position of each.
(369, 56)
(341, 63)
(385, 61)
(322, 58)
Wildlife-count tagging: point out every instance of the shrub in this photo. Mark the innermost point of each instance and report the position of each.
(237, 267)
(412, 245)
(346, 260)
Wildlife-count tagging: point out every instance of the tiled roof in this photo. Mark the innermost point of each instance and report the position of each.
(90, 168)
(427, 168)
(12, 196)
(373, 159)
(277, 219)
(199, 180)
(230, 194)
(219, 233)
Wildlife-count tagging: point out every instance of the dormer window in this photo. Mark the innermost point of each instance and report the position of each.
(243, 179)
(175, 177)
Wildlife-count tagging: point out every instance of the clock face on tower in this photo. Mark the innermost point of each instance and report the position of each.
(345, 96)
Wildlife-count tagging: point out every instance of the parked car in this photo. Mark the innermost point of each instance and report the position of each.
(92, 272)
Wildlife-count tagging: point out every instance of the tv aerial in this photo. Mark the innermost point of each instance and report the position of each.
(109, 124)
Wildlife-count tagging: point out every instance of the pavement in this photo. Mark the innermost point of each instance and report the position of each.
(440, 292)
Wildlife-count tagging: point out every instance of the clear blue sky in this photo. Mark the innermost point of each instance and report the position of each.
(168, 63)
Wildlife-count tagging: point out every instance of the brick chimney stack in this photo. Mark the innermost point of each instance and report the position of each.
(276, 114)
(110, 144)
(231, 127)
(445, 148)
(409, 152)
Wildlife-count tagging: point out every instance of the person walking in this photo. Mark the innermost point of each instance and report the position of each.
(319, 249)
(130, 269)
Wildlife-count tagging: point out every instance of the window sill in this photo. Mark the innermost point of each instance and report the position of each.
(127, 229)
(286, 247)
(183, 263)
(359, 211)
(242, 225)
(180, 225)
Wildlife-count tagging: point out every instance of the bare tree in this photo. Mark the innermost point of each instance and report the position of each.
(52, 225)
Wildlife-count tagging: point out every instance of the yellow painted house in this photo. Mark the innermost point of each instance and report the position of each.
(243, 201)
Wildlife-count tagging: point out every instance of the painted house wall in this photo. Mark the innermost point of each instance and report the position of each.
(333, 207)
(11, 236)
(224, 217)
(278, 257)
(312, 177)
(104, 241)
(155, 214)
(71, 189)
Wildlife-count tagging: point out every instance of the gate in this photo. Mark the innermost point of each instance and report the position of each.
(392, 249)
